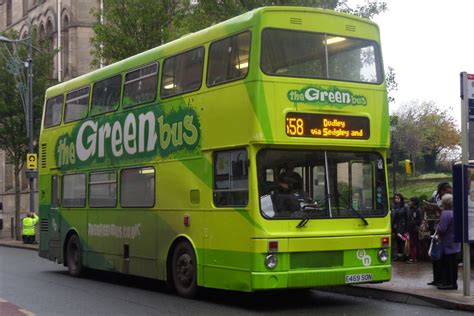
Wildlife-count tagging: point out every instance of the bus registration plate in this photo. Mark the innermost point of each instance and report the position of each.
(357, 278)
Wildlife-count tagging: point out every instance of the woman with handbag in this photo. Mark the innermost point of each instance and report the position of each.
(449, 246)
(435, 253)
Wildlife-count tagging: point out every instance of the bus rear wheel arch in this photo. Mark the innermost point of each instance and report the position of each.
(73, 252)
(182, 272)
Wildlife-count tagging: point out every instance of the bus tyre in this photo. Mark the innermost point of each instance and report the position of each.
(184, 270)
(74, 256)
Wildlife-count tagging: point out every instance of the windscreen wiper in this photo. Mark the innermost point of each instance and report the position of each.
(366, 223)
(308, 215)
(305, 219)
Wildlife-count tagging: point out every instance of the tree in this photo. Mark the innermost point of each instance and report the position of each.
(425, 131)
(368, 11)
(392, 84)
(133, 26)
(13, 135)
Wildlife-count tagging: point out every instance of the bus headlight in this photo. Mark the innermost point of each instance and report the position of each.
(271, 261)
(383, 254)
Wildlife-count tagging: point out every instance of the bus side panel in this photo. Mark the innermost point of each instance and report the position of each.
(74, 220)
(182, 190)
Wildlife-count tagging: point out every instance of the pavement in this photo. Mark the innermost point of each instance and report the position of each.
(408, 285)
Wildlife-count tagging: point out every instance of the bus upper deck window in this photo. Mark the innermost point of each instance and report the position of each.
(54, 110)
(182, 73)
(77, 105)
(140, 85)
(228, 59)
(319, 55)
(106, 95)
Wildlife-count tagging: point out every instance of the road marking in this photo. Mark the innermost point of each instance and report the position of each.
(27, 312)
(7, 308)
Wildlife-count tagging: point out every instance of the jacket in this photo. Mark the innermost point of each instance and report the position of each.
(446, 233)
(399, 220)
(28, 224)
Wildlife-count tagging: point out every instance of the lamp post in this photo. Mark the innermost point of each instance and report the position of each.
(29, 103)
(394, 161)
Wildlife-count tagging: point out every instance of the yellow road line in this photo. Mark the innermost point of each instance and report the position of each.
(27, 312)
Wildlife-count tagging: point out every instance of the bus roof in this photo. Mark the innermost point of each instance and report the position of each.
(222, 29)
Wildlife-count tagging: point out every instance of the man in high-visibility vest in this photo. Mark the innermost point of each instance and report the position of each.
(28, 232)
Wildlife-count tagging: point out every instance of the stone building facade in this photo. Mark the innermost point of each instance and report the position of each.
(76, 22)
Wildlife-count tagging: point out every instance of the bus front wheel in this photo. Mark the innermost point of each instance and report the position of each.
(74, 256)
(184, 270)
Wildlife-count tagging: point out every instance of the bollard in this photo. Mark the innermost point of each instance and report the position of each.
(12, 226)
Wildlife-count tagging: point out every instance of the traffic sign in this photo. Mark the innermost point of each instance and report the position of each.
(31, 161)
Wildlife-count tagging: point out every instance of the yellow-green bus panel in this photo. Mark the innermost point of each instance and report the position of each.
(231, 243)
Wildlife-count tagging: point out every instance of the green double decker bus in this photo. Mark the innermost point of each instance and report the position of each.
(248, 156)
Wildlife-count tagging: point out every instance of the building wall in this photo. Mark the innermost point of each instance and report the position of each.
(76, 25)
(76, 32)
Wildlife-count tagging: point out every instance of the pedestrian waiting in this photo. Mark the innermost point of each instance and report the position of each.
(28, 231)
(413, 223)
(450, 248)
(400, 227)
(435, 251)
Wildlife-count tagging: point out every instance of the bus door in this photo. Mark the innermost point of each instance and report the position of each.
(54, 211)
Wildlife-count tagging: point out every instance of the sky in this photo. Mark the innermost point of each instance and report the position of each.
(428, 43)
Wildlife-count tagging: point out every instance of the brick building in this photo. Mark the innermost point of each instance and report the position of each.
(75, 21)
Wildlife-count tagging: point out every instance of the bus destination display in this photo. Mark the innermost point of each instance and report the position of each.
(327, 126)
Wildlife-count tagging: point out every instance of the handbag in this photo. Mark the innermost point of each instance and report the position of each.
(435, 251)
(407, 247)
(424, 230)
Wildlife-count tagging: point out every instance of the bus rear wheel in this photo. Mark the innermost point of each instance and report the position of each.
(184, 270)
(74, 256)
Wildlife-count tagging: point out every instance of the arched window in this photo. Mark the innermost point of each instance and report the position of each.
(65, 45)
(25, 7)
(42, 32)
(9, 12)
(49, 34)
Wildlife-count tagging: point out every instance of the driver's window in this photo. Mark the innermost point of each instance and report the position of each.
(341, 195)
(319, 181)
(231, 178)
(362, 186)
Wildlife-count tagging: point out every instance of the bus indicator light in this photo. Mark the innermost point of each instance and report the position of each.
(385, 241)
(327, 126)
(186, 220)
(273, 246)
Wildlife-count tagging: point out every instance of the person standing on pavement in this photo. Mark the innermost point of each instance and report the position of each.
(443, 188)
(449, 246)
(436, 253)
(399, 224)
(414, 222)
(28, 231)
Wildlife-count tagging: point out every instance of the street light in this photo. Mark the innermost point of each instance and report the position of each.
(394, 160)
(29, 104)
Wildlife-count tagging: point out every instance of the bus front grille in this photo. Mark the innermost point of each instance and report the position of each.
(316, 259)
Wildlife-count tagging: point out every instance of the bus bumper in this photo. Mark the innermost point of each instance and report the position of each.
(319, 277)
